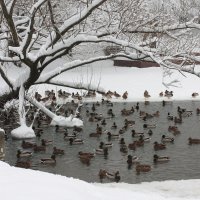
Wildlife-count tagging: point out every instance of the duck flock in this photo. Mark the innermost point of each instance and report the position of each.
(119, 130)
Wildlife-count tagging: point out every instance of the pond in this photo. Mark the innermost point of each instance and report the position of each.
(184, 159)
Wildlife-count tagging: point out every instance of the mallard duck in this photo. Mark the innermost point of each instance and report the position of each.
(67, 136)
(46, 142)
(142, 168)
(112, 136)
(74, 141)
(27, 145)
(193, 141)
(149, 126)
(135, 134)
(57, 151)
(51, 160)
(88, 154)
(125, 95)
(160, 159)
(39, 148)
(23, 164)
(166, 139)
(21, 154)
(158, 146)
(60, 129)
(146, 94)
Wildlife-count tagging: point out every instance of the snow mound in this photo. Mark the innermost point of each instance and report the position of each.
(2, 130)
(66, 121)
(23, 132)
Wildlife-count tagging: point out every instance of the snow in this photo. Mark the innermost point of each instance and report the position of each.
(66, 121)
(18, 184)
(2, 130)
(23, 132)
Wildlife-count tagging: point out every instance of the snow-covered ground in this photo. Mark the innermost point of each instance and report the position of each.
(23, 184)
(16, 183)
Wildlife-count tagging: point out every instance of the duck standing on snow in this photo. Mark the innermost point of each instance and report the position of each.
(125, 95)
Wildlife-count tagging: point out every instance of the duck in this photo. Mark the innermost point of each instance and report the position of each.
(108, 145)
(97, 134)
(110, 111)
(140, 142)
(51, 160)
(181, 110)
(160, 159)
(198, 111)
(174, 130)
(195, 94)
(122, 130)
(170, 117)
(88, 154)
(43, 124)
(27, 145)
(146, 94)
(74, 141)
(132, 146)
(150, 132)
(67, 136)
(178, 120)
(156, 114)
(149, 126)
(103, 151)
(193, 141)
(60, 129)
(165, 139)
(122, 141)
(23, 164)
(111, 176)
(131, 160)
(136, 134)
(146, 139)
(46, 142)
(103, 123)
(39, 133)
(129, 122)
(57, 151)
(168, 93)
(93, 107)
(161, 94)
(142, 168)
(137, 107)
(85, 159)
(158, 146)
(125, 95)
(39, 148)
(112, 136)
(123, 148)
(116, 94)
(114, 126)
(97, 103)
(77, 129)
(21, 154)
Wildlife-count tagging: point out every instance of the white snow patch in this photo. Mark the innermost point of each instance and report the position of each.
(23, 132)
(66, 121)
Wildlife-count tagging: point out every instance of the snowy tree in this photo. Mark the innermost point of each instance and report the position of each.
(35, 33)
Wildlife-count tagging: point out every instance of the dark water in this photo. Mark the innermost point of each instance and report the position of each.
(184, 159)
